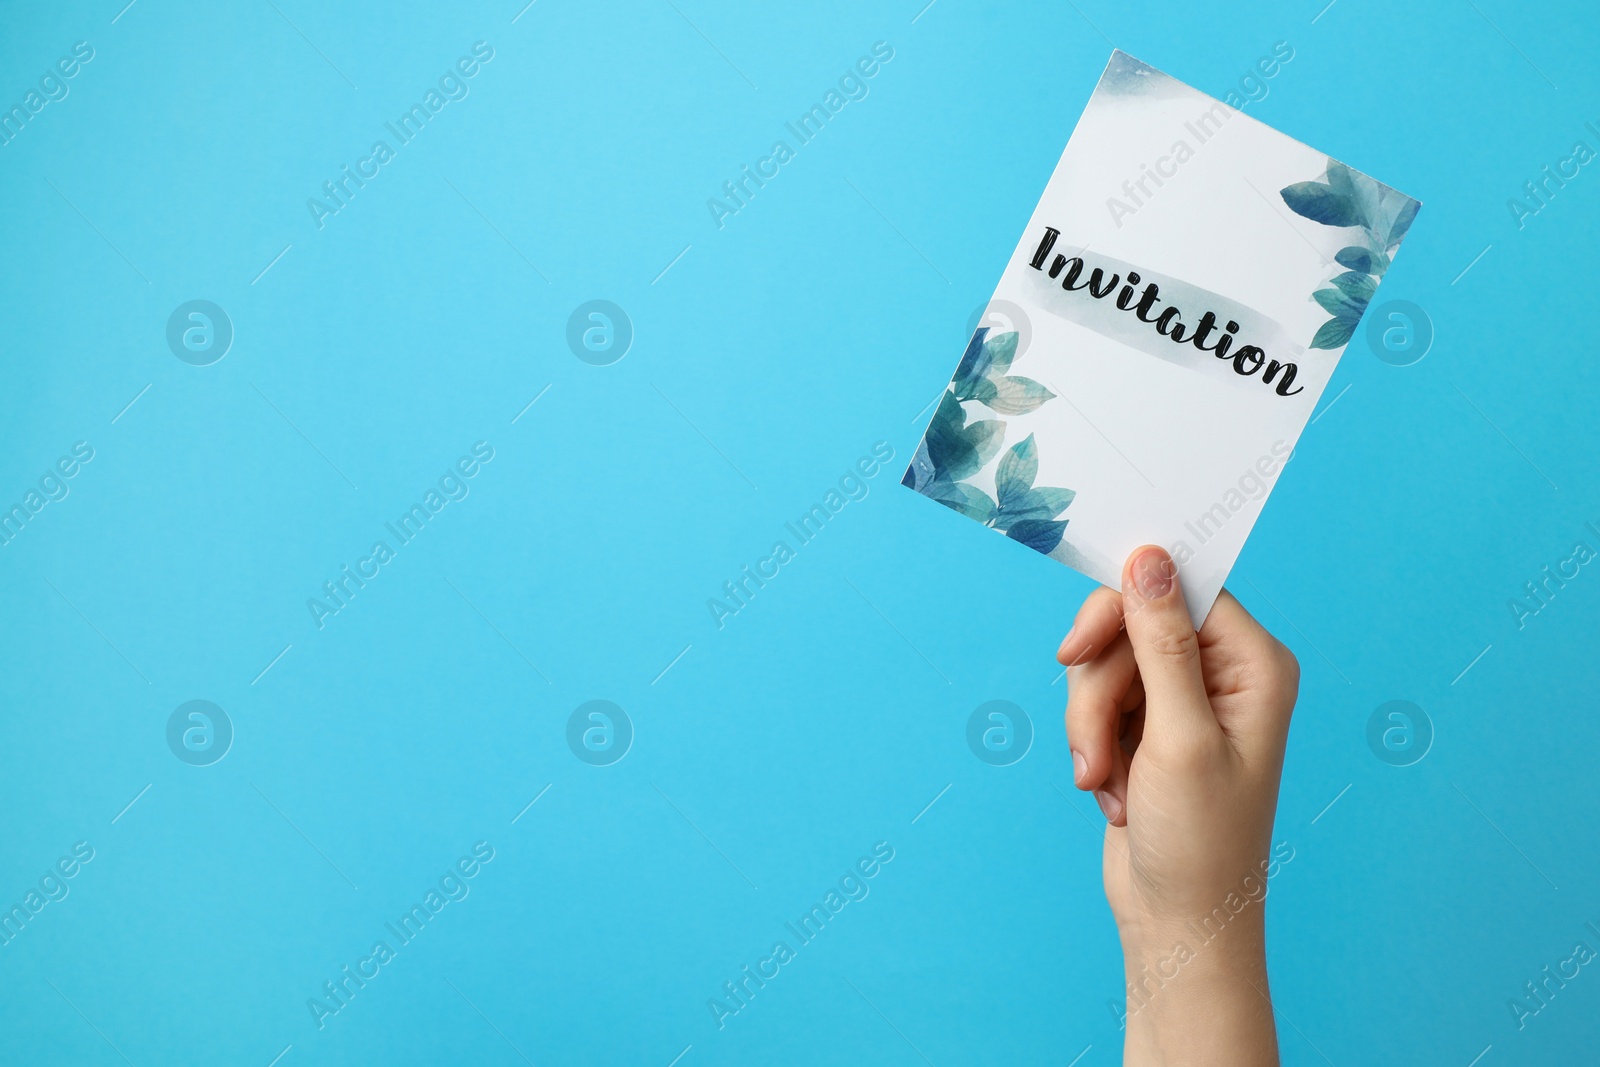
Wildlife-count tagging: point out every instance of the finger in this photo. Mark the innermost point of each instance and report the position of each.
(1243, 659)
(1113, 795)
(1165, 644)
(1234, 620)
(1130, 730)
(1098, 623)
(1095, 695)
(1134, 701)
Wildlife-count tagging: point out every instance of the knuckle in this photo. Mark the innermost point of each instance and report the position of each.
(1191, 755)
(1286, 671)
(1104, 595)
(1178, 645)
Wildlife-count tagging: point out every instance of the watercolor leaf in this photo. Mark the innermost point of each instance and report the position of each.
(1051, 500)
(1335, 333)
(967, 370)
(1402, 222)
(1366, 194)
(958, 449)
(1039, 535)
(1335, 303)
(1044, 502)
(969, 500)
(1357, 286)
(1001, 350)
(1018, 467)
(1016, 395)
(986, 358)
(1355, 258)
(980, 389)
(946, 439)
(985, 439)
(920, 472)
(1319, 203)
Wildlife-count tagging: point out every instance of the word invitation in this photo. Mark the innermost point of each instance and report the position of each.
(1173, 312)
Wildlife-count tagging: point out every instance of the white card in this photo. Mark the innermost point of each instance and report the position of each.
(1232, 263)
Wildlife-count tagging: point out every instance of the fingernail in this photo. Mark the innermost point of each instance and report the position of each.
(1080, 766)
(1152, 574)
(1110, 806)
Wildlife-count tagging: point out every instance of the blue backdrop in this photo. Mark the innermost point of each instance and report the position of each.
(209, 883)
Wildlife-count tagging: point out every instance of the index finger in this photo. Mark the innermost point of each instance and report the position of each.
(1098, 623)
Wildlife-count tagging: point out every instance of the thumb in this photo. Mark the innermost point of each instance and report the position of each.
(1164, 643)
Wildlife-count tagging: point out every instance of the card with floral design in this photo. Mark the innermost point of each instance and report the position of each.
(1161, 335)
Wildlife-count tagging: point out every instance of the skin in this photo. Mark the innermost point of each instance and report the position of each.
(1180, 736)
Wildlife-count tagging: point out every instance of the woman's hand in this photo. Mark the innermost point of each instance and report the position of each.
(1181, 737)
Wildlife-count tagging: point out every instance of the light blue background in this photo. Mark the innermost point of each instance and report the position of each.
(822, 718)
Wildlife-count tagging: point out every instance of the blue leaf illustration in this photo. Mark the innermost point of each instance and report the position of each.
(1402, 222)
(1366, 194)
(921, 470)
(1050, 500)
(1043, 502)
(979, 389)
(1335, 303)
(969, 500)
(986, 359)
(1335, 333)
(1351, 199)
(1358, 287)
(1319, 203)
(967, 370)
(1341, 179)
(1041, 536)
(959, 450)
(1016, 395)
(1380, 258)
(962, 497)
(1001, 350)
(984, 439)
(945, 441)
(1355, 258)
(1018, 467)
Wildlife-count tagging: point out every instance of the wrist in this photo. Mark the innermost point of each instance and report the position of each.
(1198, 995)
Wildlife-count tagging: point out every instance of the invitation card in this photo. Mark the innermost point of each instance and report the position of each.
(1160, 336)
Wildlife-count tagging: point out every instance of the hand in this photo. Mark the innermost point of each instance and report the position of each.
(1181, 737)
